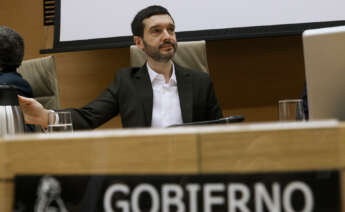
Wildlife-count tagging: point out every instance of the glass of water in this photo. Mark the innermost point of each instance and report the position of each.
(291, 110)
(60, 121)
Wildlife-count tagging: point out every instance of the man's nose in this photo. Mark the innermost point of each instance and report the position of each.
(166, 34)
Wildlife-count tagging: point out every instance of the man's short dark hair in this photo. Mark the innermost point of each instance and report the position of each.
(11, 49)
(137, 23)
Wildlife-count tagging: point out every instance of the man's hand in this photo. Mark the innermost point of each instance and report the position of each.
(34, 112)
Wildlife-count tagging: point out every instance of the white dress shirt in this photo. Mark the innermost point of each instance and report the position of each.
(166, 108)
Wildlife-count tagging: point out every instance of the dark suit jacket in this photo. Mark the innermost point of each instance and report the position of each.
(131, 95)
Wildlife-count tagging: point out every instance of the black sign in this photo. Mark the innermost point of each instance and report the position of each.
(316, 191)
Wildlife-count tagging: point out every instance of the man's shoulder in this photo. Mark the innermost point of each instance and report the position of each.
(15, 79)
(198, 74)
(9, 77)
(128, 72)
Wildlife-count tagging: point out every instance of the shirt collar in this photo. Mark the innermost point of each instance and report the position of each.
(153, 75)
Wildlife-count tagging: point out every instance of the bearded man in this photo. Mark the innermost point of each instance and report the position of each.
(159, 94)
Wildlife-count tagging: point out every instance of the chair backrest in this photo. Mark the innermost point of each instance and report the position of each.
(41, 75)
(189, 54)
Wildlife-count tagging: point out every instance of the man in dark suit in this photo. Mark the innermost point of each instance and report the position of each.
(159, 94)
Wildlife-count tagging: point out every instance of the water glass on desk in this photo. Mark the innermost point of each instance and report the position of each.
(60, 121)
(291, 110)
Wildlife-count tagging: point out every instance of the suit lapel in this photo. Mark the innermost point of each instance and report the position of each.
(144, 88)
(185, 92)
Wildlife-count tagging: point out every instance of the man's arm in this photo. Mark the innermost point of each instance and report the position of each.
(213, 108)
(98, 111)
(90, 116)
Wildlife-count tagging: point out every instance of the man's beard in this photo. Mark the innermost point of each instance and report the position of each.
(155, 53)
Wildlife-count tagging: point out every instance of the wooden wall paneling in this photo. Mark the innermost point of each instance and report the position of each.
(3, 161)
(48, 37)
(6, 195)
(164, 154)
(251, 75)
(26, 18)
(342, 145)
(6, 181)
(84, 75)
(276, 150)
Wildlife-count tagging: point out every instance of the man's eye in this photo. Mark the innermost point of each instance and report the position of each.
(171, 30)
(156, 30)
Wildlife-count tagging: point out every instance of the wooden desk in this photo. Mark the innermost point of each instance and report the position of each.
(217, 149)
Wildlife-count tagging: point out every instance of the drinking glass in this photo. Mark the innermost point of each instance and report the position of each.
(291, 110)
(60, 121)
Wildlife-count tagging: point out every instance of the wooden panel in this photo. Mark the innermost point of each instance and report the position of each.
(3, 160)
(116, 155)
(255, 113)
(6, 195)
(26, 17)
(218, 152)
(342, 145)
(277, 150)
(255, 73)
(48, 42)
(84, 75)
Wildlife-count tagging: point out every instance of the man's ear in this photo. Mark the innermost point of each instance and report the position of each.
(138, 42)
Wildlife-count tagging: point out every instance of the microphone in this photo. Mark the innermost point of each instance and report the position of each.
(229, 119)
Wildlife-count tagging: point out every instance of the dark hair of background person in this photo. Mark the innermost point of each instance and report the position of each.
(137, 23)
(11, 49)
